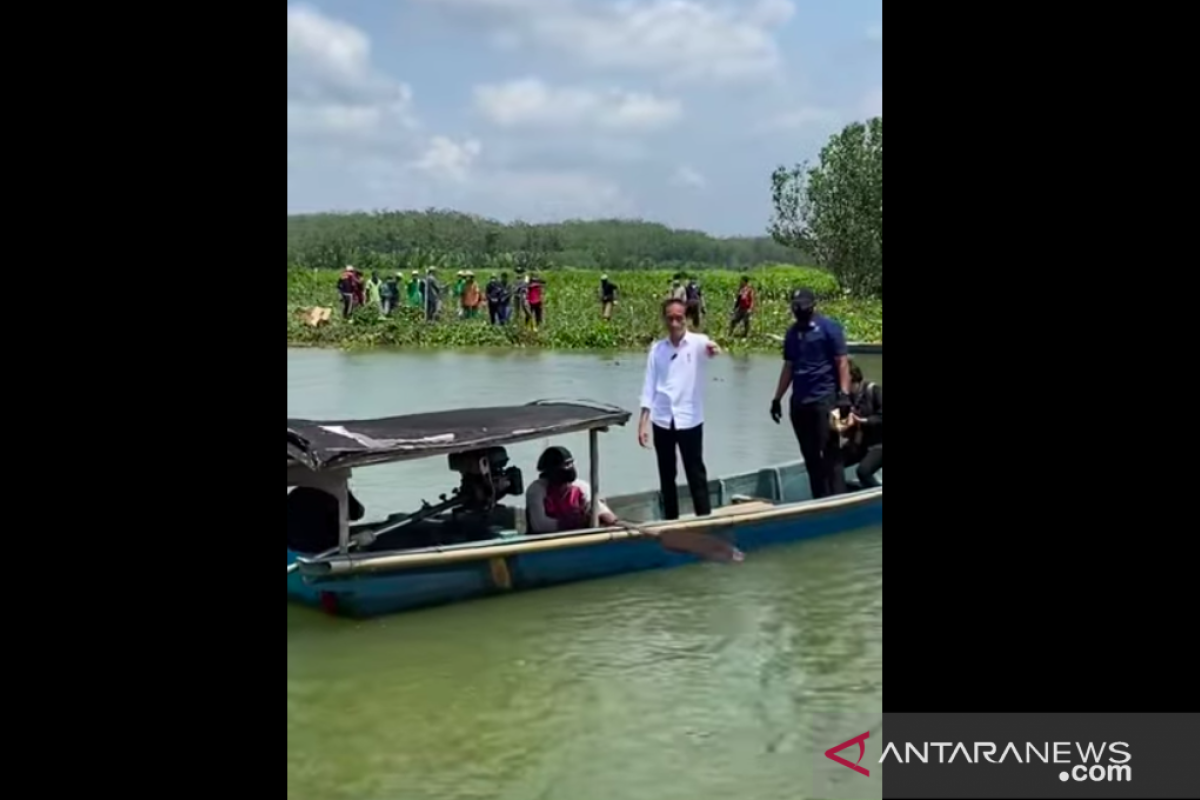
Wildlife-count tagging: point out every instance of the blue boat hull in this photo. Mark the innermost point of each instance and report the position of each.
(380, 594)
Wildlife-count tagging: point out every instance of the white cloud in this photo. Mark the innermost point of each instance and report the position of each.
(354, 140)
(530, 102)
(332, 91)
(875, 33)
(447, 159)
(802, 118)
(680, 40)
(689, 177)
(872, 104)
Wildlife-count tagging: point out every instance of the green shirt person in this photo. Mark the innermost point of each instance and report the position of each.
(414, 290)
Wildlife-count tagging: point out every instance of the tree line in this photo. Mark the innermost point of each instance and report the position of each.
(399, 239)
(834, 209)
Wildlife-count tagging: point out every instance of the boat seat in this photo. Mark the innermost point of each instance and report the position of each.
(742, 499)
(733, 510)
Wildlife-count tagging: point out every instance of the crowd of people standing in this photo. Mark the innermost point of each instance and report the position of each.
(424, 294)
(524, 298)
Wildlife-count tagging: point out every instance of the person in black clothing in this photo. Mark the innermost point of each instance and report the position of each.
(499, 295)
(865, 447)
(389, 294)
(608, 297)
(312, 519)
(817, 369)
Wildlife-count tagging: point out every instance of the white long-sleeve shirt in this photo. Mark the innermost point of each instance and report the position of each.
(673, 389)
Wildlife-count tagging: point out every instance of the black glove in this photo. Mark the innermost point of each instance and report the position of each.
(844, 406)
(776, 411)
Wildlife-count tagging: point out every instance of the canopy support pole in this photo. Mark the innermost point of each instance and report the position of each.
(342, 493)
(594, 464)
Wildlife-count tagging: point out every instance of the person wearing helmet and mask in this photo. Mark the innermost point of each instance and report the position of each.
(559, 500)
(816, 366)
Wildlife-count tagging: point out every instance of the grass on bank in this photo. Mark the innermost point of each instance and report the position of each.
(573, 313)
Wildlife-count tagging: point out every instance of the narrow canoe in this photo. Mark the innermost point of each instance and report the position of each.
(752, 511)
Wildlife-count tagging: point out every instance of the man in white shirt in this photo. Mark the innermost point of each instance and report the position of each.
(559, 500)
(673, 408)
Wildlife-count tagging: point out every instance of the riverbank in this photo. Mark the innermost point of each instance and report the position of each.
(573, 313)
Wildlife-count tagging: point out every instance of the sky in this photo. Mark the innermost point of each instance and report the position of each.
(669, 110)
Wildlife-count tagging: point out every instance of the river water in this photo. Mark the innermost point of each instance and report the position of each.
(698, 683)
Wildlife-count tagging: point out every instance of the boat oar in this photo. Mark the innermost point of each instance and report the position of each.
(702, 545)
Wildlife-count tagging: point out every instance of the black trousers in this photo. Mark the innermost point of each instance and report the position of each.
(870, 461)
(820, 448)
(690, 444)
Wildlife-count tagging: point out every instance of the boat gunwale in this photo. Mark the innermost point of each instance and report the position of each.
(352, 564)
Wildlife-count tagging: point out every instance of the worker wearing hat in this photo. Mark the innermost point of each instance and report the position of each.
(608, 297)
(559, 500)
(472, 296)
(413, 289)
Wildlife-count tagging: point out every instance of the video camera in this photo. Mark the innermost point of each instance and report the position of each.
(486, 478)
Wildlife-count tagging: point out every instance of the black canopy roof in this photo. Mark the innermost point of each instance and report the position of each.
(353, 443)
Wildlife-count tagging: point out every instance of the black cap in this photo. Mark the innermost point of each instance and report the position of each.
(554, 458)
(803, 300)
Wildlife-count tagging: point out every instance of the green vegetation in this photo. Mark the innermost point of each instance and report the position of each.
(573, 312)
(412, 240)
(835, 210)
(830, 214)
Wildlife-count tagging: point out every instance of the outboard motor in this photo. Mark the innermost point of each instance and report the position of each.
(486, 479)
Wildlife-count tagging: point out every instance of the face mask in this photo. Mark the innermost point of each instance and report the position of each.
(566, 475)
(802, 317)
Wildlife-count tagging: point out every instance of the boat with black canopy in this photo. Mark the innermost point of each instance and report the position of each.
(472, 544)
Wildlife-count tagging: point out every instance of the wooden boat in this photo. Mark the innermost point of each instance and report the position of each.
(854, 348)
(471, 544)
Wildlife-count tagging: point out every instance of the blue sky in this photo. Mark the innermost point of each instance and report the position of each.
(670, 110)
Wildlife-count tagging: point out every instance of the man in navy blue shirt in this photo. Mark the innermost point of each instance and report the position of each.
(816, 366)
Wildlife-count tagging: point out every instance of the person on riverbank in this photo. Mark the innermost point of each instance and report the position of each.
(695, 302)
(817, 369)
(472, 298)
(389, 294)
(460, 284)
(416, 294)
(360, 289)
(535, 294)
(521, 299)
(345, 288)
(677, 291)
(498, 296)
(375, 290)
(673, 408)
(865, 446)
(559, 500)
(608, 297)
(433, 295)
(743, 308)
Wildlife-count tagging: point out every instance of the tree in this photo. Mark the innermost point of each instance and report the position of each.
(835, 210)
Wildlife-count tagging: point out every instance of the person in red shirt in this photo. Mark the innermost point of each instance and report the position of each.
(743, 308)
(535, 296)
